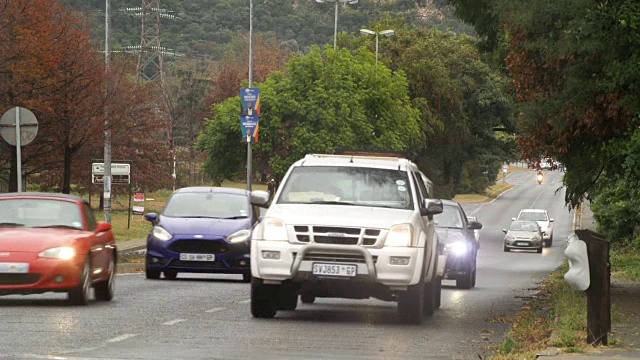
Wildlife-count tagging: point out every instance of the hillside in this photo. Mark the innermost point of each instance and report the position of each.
(204, 27)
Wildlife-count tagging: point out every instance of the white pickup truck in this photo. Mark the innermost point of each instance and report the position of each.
(348, 226)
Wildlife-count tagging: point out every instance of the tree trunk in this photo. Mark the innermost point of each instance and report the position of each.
(66, 178)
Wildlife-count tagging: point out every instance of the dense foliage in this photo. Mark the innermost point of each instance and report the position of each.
(322, 102)
(575, 68)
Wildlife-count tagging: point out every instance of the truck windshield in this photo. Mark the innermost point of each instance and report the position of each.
(335, 185)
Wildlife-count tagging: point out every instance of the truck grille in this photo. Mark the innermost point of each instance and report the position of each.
(338, 258)
(337, 235)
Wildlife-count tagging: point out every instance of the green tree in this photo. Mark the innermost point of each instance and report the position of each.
(323, 102)
(460, 97)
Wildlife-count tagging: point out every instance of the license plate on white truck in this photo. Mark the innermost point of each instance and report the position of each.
(342, 270)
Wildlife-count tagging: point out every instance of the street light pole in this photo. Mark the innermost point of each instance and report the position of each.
(386, 33)
(107, 126)
(250, 136)
(335, 28)
(335, 19)
(377, 35)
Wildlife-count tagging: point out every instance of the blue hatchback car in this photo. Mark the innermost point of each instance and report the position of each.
(203, 230)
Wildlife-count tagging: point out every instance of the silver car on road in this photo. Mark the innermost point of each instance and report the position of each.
(523, 234)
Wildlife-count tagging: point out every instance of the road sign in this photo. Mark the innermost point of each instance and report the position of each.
(120, 173)
(28, 126)
(116, 169)
(115, 179)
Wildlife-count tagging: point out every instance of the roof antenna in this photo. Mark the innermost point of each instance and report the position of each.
(351, 159)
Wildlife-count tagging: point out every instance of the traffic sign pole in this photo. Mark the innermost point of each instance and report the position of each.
(18, 150)
(18, 127)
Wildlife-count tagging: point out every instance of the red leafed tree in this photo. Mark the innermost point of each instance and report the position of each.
(49, 65)
(268, 56)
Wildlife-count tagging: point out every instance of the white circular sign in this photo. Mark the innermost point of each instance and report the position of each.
(28, 126)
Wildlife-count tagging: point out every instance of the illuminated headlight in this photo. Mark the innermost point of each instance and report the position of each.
(161, 234)
(399, 235)
(458, 248)
(62, 253)
(239, 236)
(274, 230)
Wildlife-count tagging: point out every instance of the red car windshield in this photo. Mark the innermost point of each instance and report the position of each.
(39, 213)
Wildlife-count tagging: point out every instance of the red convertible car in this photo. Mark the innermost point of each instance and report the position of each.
(53, 243)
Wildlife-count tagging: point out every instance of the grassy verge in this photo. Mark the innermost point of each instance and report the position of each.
(556, 316)
(625, 263)
(490, 193)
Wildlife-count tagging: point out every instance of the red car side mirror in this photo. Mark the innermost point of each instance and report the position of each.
(103, 226)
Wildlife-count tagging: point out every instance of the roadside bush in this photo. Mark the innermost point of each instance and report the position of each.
(615, 208)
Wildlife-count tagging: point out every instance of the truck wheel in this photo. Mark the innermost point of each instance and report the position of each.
(432, 295)
(438, 293)
(411, 304)
(307, 298)
(287, 299)
(263, 299)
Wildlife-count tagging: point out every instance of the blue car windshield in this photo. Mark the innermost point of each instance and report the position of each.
(209, 205)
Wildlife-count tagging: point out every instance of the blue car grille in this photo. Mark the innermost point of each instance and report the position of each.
(198, 264)
(199, 246)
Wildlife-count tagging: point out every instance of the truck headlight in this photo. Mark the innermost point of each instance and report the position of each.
(161, 234)
(399, 235)
(274, 230)
(239, 236)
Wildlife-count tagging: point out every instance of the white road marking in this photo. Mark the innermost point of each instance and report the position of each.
(244, 301)
(173, 322)
(215, 309)
(122, 337)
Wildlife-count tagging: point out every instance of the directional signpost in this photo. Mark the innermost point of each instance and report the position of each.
(120, 174)
(18, 127)
(249, 119)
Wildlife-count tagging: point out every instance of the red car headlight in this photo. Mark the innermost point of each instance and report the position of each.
(62, 253)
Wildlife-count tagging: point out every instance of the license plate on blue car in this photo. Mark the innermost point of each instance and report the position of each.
(197, 257)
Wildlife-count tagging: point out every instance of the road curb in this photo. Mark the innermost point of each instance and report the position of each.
(128, 268)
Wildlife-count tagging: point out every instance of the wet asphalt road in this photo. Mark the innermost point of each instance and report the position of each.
(207, 316)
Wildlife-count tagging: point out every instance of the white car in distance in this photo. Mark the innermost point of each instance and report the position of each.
(540, 216)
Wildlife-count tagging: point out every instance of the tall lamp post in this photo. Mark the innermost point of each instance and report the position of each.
(335, 20)
(386, 33)
(107, 124)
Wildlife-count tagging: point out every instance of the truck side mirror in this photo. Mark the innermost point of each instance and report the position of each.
(578, 275)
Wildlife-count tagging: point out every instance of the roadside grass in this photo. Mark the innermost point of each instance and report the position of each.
(136, 227)
(556, 316)
(490, 193)
(625, 263)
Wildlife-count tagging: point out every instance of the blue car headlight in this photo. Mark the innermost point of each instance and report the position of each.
(239, 236)
(458, 248)
(161, 234)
